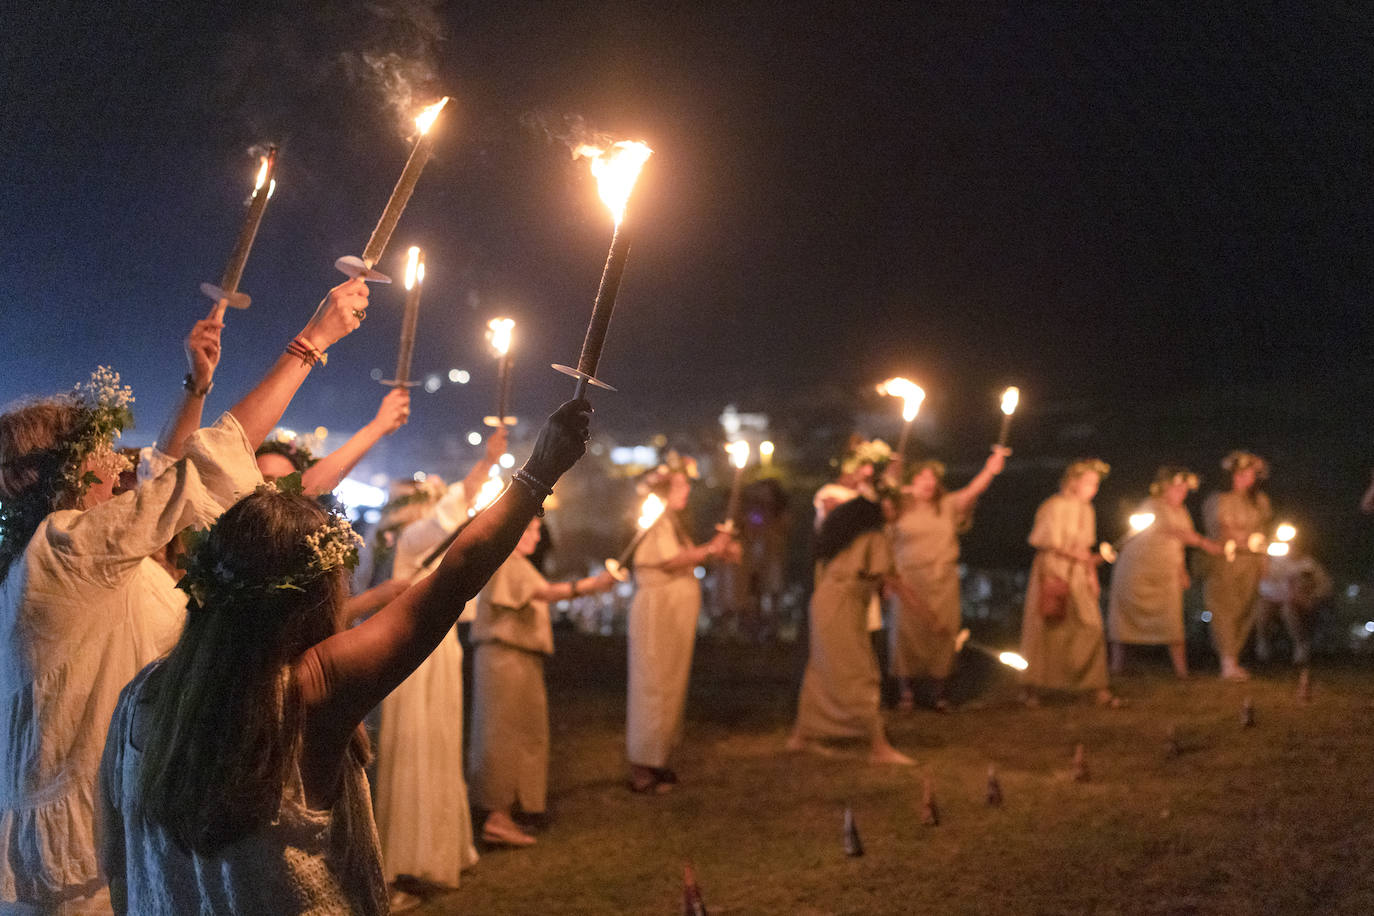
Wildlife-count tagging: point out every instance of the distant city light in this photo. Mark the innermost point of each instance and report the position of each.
(1206, 616)
(354, 494)
(1369, 626)
(642, 455)
(699, 572)
(419, 476)
(432, 384)
(460, 376)
(372, 516)
(376, 375)
(321, 433)
(474, 438)
(507, 460)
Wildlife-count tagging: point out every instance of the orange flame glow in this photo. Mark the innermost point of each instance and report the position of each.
(262, 174)
(616, 171)
(425, 119)
(490, 489)
(1010, 398)
(911, 394)
(739, 453)
(650, 511)
(415, 268)
(499, 334)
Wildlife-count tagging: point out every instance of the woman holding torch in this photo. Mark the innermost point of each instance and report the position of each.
(508, 763)
(1061, 629)
(1232, 584)
(84, 605)
(925, 540)
(1145, 606)
(663, 627)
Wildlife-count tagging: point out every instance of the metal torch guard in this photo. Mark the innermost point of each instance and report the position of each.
(583, 380)
(355, 267)
(234, 300)
(507, 420)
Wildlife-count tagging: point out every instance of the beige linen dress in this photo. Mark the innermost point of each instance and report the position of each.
(925, 542)
(1145, 604)
(1230, 588)
(509, 756)
(81, 612)
(1067, 654)
(423, 816)
(840, 691)
(662, 635)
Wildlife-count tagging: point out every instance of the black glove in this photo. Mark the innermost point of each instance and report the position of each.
(562, 441)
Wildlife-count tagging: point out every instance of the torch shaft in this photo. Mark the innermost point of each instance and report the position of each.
(1005, 431)
(408, 324)
(248, 231)
(628, 553)
(400, 196)
(502, 389)
(902, 440)
(732, 505)
(600, 323)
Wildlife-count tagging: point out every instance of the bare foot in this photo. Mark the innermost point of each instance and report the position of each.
(500, 830)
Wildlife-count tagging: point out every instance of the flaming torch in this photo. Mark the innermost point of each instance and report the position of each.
(415, 278)
(400, 196)
(912, 395)
(1137, 523)
(486, 495)
(650, 511)
(499, 333)
(739, 457)
(228, 290)
(1282, 543)
(1010, 398)
(616, 171)
(1010, 659)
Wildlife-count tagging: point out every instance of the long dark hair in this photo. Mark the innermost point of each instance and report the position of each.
(32, 465)
(225, 714)
(844, 524)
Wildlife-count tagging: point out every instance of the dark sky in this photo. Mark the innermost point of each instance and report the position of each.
(1139, 209)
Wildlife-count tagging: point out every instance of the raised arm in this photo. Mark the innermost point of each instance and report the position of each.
(324, 475)
(202, 353)
(966, 496)
(338, 315)
(343, 677)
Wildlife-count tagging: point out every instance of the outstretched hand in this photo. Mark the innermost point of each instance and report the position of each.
(562, 441)
(339, 315)
(394, 411)
(203, 350)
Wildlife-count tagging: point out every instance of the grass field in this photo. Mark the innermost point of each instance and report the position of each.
(1270, 819)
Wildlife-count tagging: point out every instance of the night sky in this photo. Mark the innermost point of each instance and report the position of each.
(1156, 219)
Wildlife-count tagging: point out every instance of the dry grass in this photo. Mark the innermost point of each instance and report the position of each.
(1272, 819)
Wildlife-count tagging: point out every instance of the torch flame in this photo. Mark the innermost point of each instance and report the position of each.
(262, 174)
(491, 488)
(911, 394)
(1285, 532)
(1010, 398)
(1255, 542)
(616, 171)
(1012, 660)
(425, 119)
(271, 187)
(650, 510)
(1141, 520)
(1277, 549)
(499, 334)
(415, 268)
(739, 453)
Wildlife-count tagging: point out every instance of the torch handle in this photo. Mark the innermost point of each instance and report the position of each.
(600, 323)
(502, 389)
(408, 325)
(628, 553)
(902, 440)
(248, 231)
(1005, 431)
(400, 196)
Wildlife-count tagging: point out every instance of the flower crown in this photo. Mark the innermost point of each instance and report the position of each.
(332, 546)
(873, 451)
(673, 463)
(1240, 460)
(289, 447)
(1169, 475)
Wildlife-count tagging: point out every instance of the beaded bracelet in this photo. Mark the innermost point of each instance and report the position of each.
(539, 490)
(306, 352)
